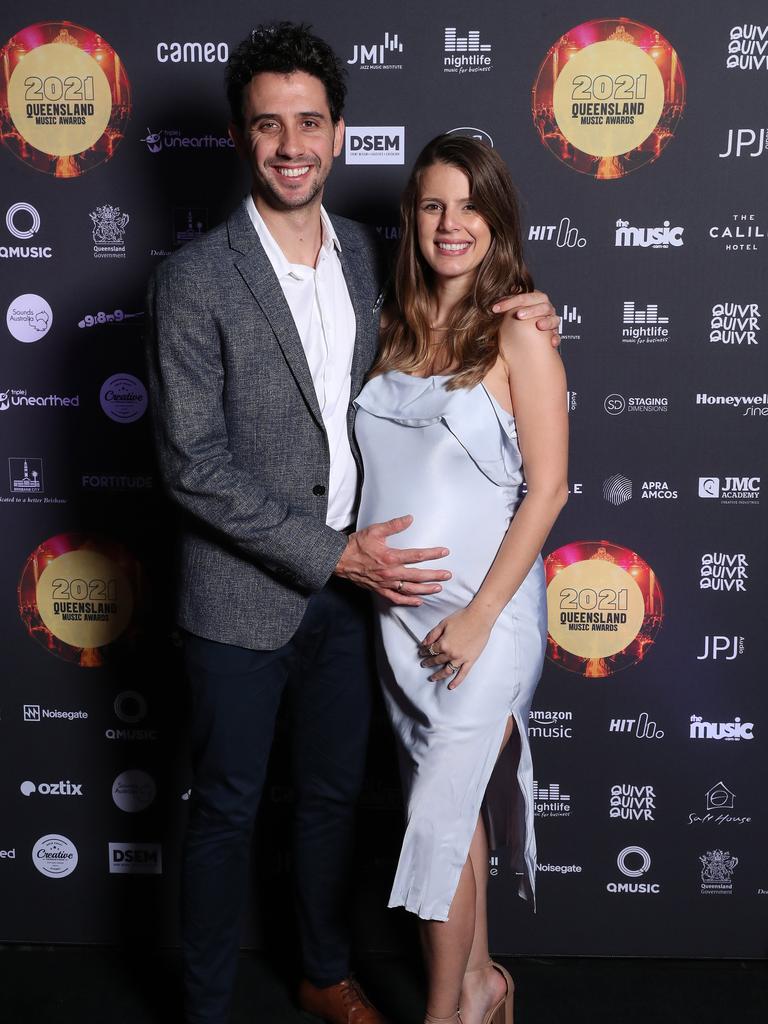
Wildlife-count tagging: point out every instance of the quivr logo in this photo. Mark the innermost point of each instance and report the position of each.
(375, 145)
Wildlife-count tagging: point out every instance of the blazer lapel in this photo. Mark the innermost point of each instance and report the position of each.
(256, 270)
(366, 317)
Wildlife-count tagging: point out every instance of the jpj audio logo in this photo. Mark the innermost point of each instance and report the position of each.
(65, 98)
(375, 145)
(608, 97)
(54, 856)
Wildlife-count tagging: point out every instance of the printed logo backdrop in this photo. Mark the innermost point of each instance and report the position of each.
(649, 726)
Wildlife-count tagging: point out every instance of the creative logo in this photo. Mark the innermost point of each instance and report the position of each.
(747, 405)
(78, 597)
(65, 98)
(23, 222)
(135, 859)
(54, 856)
(378, 56)
(632, 867)
(731, 490)
(549, 802)
(735, 323)
(563, 234)
(374, 145)
(468, 132)
(642, 728)
(174, 138)
(61, 788)
(615, 404)
(721, 570)
(605, 607)
(748, 48)
(192, 53)
(742, 232)
(29, 317)
(617, 489)
(648, 238)
(548, 725)
(462, 54)
(746, 141)
(734, 731)
(109, 226)
(133, 790)
(26, 476)
(123, 398)
(717, 867)
(715, 646)
(633, 803)
(720, 801)
(643, 326)
(608, 97)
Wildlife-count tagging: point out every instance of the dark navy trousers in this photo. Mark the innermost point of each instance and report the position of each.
(326, 667)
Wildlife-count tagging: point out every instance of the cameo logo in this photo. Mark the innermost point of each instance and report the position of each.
(23, 222)
(617, 489)
(35, 713)
(642, 728)
(734, 323)
(135, 859)
(643, 326)
(173, 138)
(26, 476)
(109, 226)
(468, 132)
(467, 53)
(731, 731)
(717, 867)
(123, 398)
(29, 317)
(634, 862)
(192, 53)
(130, 706)
(731, 490)
(741, 233)
(560, 869)
(18, 397)
(133, 790)
(648, 238)
(564, 235)
(549, 802)
(375, 145)
(720, 800)
(378, 56)
(753, 405)
(750, 141)
(54, 856)
(723, 571)
(633, 803)
(748, 48)
(728, 646)
(548, 725)
(570, 319)
(60, 788)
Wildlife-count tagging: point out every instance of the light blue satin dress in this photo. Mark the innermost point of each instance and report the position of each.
(451, 459)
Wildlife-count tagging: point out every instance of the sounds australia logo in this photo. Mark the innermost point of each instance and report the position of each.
(381, 56)
(735, 323)
(643, 325)
(375, 145)
(109, 226)
(730, 490)
(648, 238)
(721, 570)
(29, 317)
(23, 222)
(633, 803)
(173, 138)
(465, 53)
(719, 802)
(549, 802)
(634, 862)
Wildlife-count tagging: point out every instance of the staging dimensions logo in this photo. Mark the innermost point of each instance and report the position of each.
(608, 97)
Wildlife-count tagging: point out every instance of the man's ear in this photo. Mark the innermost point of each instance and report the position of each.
(235, 133)
(338, 137)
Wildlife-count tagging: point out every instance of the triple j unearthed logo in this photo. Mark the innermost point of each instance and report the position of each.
(157, 141)
(20, 398)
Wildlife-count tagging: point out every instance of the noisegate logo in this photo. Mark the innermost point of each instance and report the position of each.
(735, 323)
(380, 145)
(627, 862)
(35, 713)
(54, 856)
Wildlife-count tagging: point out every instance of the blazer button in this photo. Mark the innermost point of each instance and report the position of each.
(319, 490)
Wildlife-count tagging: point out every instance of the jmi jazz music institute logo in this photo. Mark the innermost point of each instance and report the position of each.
(608, 97)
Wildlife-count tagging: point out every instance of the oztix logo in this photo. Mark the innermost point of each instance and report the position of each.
(648, 238)
(730, 731)
(642, 728)
(634, 862)
(729, 647)
(29, 317)
(375, 145)
(735, 323)
(61, 788)
(54, 856)
(564, 235)
(750, 141)
(23, 222)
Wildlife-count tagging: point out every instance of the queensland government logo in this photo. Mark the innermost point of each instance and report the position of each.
(109, 226)
(465, 53)
(381, 56)
(748, 48)
(717, 867)
(735, 323)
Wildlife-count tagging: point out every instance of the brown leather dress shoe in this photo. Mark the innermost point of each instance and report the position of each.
(344, 1003)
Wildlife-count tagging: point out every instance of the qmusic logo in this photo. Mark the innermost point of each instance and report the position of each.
(623, 863)
(641, 727)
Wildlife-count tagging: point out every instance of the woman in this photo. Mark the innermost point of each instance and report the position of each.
(457, 404)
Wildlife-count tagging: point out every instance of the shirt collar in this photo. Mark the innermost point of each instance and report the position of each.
(281, 266)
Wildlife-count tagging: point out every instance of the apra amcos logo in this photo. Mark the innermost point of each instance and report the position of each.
(375, 145)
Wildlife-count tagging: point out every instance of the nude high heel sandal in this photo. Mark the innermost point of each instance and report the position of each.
(503, 1011)
(455, 1018)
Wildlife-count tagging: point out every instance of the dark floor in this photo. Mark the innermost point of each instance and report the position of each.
(76, 985)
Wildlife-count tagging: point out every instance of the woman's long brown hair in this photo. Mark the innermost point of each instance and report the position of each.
(471, 341)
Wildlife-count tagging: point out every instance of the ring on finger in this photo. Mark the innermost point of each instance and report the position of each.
(451, 666)
(399, 586)
(433, 652)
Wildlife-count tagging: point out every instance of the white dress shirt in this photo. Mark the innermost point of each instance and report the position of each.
(325, 320)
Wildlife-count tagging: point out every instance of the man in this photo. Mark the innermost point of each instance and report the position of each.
(263, 331)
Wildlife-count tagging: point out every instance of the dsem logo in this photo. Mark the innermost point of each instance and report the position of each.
(375, 145)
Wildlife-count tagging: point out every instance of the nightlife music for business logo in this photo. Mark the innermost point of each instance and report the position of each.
(632, 803)
(465, 52)
(730, 490)
(724, 571)
(735, 323)
(643, 324)
(550, 802)
(380, 55)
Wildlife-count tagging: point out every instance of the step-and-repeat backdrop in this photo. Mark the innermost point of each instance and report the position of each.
(640, 148)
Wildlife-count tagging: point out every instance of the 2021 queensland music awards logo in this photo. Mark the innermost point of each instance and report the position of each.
(79, 597)
(608, 97)
(605, 607)
(65, 98)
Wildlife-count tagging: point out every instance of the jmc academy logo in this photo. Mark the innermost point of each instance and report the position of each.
(731, 490)
(608, 97)
(634, 862)
(375, 145)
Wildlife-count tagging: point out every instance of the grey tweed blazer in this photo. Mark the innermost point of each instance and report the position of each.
(241, 445)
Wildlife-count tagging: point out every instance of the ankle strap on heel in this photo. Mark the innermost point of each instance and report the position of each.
(480, 967)
(455, 1018)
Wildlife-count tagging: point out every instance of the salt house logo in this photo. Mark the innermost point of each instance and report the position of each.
(608, 97)
(54, 856)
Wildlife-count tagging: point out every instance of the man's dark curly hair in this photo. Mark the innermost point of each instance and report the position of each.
(284, 47)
